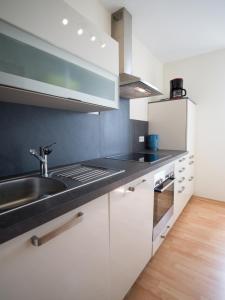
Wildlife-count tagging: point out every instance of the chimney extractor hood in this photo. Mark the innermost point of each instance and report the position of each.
(131, 87)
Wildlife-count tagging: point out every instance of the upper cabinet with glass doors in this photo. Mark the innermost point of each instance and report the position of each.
(70, 68)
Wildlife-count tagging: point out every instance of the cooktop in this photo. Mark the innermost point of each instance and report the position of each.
(142, 157)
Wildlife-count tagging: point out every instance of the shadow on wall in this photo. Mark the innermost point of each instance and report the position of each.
(78, 136)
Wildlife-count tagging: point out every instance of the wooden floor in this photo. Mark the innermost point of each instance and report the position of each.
(190, 264)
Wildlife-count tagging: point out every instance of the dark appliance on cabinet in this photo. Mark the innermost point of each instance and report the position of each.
(176, 88)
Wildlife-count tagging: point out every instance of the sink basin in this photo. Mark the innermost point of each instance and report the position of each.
(18, 192)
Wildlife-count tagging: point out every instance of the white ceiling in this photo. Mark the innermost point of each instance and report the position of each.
(176, 29)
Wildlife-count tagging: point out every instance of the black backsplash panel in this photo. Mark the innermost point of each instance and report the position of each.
(116, 131)
(79, 136)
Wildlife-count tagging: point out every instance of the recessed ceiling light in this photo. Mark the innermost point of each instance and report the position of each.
(103, 45)
(93, 38)
(65, 21)
(80, 31)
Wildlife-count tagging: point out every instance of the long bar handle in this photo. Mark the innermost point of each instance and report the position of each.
(132, 188)
(38, 241)
(158, 190)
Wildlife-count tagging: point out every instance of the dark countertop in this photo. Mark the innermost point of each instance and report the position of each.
(26, 218)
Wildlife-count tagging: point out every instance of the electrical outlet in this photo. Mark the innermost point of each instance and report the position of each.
(141, 139)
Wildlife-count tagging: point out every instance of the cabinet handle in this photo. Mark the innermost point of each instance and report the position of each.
(163, 236)
(182, 189)
(191, 162)
(182, 159)
(182, 170)
(191, 178)
(181, 180)
(132, 188)
(38, 241)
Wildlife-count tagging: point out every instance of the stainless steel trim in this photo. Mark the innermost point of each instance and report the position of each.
(63, 192)
(130, 86)
(164, 188)
(38, 241)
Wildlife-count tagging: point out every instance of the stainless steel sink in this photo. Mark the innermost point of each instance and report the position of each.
(18, 192)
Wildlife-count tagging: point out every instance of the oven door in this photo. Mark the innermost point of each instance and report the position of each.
(163, 205)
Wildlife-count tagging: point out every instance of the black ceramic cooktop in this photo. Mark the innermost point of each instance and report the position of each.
(142, 157)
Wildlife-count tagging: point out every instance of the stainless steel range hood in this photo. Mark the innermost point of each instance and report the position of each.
(130, 86)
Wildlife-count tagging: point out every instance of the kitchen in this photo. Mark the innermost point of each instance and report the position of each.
(89, 207)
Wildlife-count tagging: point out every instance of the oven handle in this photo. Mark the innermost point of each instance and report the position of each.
(158, 190)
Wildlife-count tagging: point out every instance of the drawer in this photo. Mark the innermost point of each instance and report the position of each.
(181, 166)
(160, 239)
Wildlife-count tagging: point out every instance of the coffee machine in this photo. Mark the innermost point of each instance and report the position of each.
(176, 88)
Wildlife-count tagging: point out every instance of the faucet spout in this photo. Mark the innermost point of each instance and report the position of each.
(35, 154)
(43, 158)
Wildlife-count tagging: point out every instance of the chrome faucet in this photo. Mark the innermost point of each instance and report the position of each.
(43, 158)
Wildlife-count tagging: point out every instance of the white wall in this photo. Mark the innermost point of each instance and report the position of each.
(204, 79)
(150, 69)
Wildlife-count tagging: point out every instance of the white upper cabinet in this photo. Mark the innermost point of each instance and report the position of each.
(174, 121)
(44, 18)
(74, 62)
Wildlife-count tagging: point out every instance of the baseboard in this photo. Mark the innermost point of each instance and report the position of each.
(207, 199)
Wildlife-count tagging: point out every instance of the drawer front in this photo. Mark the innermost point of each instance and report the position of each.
(160, 239)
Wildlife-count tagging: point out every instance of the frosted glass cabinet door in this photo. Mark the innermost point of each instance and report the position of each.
(30, 63)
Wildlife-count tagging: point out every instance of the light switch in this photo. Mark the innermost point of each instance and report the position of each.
(141, 139)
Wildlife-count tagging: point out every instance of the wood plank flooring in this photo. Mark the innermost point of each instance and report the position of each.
(190, 264)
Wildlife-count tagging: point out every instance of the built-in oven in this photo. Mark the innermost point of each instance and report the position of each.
(163, 199)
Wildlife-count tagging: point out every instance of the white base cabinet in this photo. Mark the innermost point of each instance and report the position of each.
(131, 223)
(184, 184)
(73, 265)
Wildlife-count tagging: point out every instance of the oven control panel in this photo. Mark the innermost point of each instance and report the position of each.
(163, 175)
